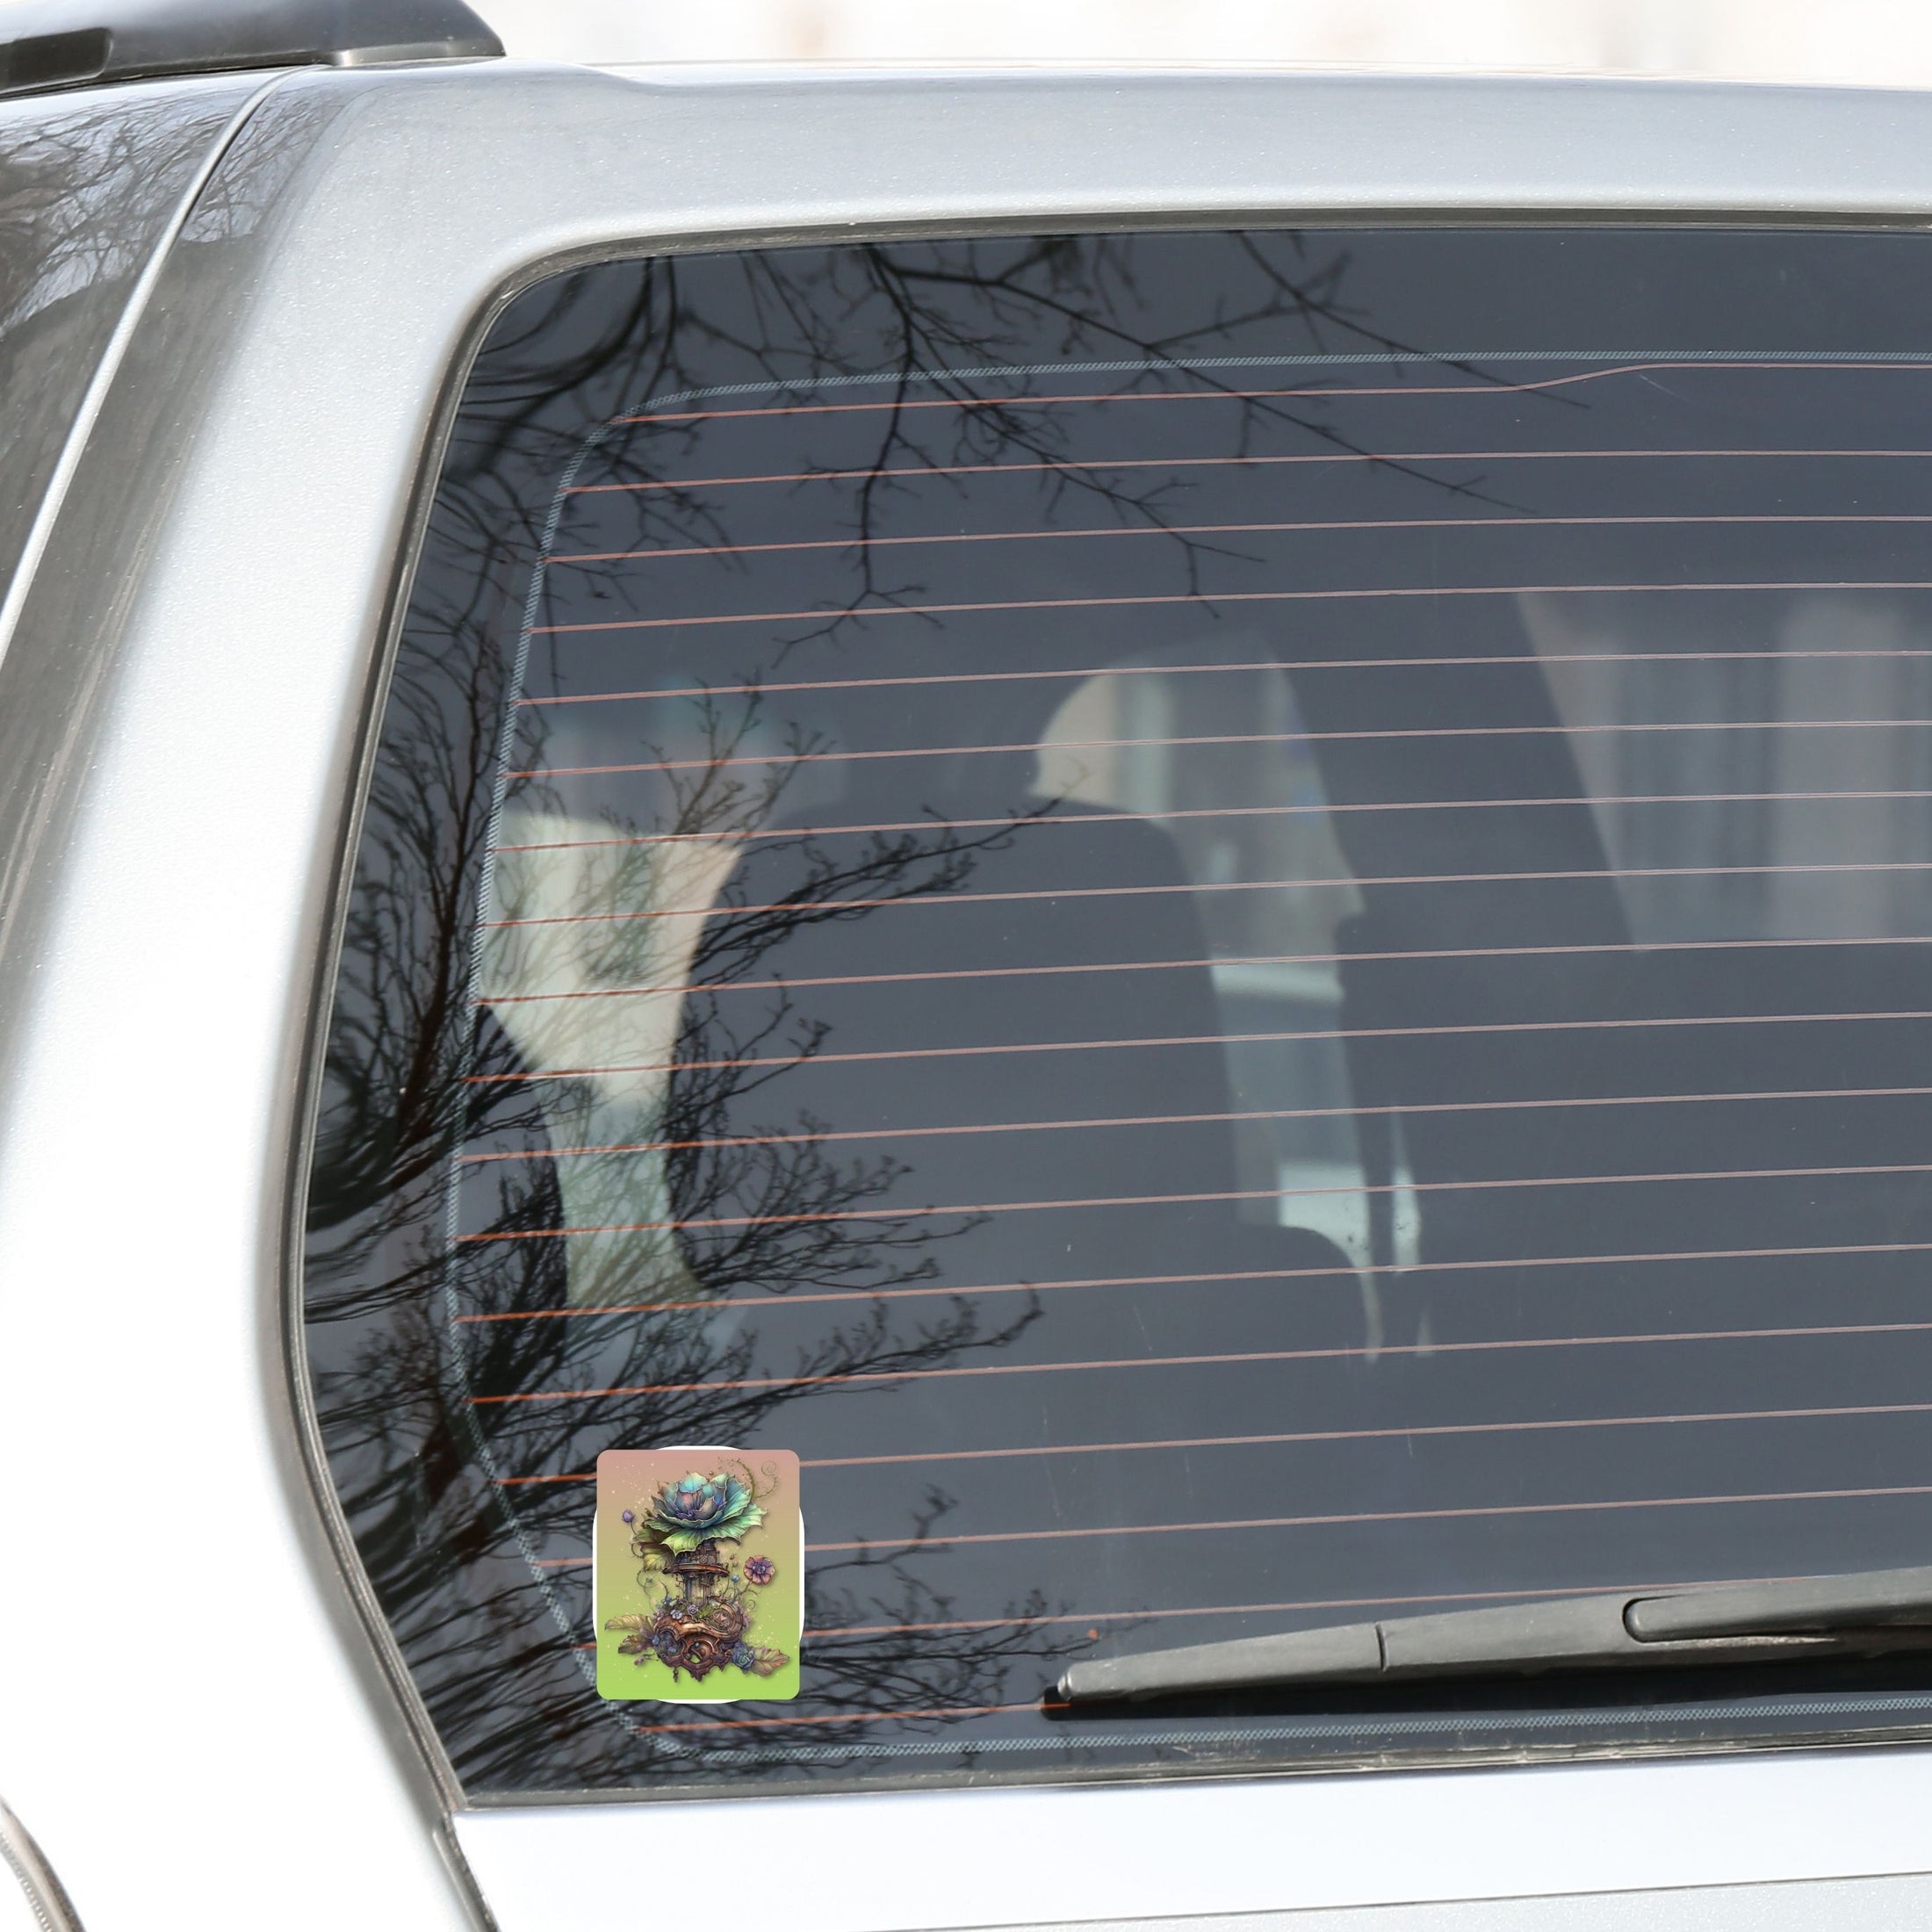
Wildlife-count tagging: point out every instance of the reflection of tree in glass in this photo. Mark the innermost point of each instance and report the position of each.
(921, 323)
(84, 191)
(415, 1458)
(469, 1506)
(668, 1023)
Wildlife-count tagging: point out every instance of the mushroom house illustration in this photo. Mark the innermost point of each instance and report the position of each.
(708, 1605)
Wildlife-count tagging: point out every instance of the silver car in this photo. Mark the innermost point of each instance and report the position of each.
(1265, 1259)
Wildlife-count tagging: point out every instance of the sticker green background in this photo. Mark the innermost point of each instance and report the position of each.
(625, 1479)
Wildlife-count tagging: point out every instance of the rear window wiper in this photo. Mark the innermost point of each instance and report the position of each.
(1859, 1614)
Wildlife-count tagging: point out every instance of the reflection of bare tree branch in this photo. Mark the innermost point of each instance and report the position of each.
(640, 1178)
(397, 1046)
(883, 1644)
(801, 313)
(419, 1448)
(84, 187)
(670, 1059)
(1086, 288)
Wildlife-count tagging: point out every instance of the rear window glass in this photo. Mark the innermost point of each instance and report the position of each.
(1238, 923)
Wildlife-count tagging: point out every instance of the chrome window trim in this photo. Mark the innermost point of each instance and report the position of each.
(374, 221)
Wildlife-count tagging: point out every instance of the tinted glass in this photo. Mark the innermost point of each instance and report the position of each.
(1239, 923)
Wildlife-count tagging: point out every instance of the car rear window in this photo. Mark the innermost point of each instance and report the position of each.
(1238, 923)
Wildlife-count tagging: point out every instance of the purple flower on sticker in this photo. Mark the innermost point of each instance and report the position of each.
(760, 1570)
(631, 1516)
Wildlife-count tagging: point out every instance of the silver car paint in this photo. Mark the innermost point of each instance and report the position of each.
(196, 1719)
(92, 187)
(1731, 1831)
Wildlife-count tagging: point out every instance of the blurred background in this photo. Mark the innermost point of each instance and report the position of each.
(1846, 42)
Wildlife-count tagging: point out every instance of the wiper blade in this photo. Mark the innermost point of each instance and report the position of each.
(1860, 1614)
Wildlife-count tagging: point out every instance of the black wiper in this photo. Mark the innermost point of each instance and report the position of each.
(1856, 1615)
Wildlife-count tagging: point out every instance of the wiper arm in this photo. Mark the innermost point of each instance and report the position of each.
(1859, 1614)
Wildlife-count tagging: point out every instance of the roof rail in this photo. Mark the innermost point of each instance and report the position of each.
(51, 44)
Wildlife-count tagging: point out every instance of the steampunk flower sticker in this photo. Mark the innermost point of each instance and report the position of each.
(689, 1601)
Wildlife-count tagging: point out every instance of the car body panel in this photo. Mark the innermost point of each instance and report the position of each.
(1121, 1854)
(91, 186)
(184, 714)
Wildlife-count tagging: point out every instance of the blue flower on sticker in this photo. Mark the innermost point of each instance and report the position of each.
(698, 1508)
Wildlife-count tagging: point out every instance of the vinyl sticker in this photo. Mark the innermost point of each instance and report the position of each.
(697, 1574)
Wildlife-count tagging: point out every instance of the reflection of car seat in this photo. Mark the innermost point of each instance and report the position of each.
(1015, 910)
(1856, 1027)
(1555, 952)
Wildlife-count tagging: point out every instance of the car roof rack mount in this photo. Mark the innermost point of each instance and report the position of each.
(53, 44)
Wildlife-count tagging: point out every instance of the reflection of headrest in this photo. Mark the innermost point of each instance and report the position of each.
(933, 1064)
(1422, 733)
